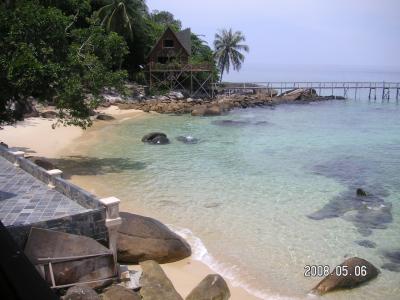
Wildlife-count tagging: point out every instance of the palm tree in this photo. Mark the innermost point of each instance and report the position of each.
(228, 49)
(120, 15)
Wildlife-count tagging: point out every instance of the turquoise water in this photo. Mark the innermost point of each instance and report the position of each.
(243, 195)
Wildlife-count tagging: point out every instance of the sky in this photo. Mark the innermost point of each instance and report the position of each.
(291, 35)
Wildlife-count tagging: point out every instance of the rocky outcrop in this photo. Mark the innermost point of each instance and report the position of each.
(358, 271)
(142, 238)
(212, 287)
(155, 284)
(81, 292)
(117, 292)
(156, 138)
(104, 117)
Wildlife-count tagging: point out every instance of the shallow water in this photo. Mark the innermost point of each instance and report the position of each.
(248, 190)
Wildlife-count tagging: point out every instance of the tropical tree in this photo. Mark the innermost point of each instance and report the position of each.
(228, 50)
(121, 15)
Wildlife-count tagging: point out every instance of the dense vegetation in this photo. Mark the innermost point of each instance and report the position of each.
(67, 51)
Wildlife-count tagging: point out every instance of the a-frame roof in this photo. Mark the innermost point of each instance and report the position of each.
(183, 37)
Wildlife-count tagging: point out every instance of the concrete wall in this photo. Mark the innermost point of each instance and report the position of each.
(91, 224)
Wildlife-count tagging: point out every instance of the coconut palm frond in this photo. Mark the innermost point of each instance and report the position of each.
(228, 50)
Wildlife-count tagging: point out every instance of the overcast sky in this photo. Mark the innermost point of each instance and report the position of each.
(286, 34)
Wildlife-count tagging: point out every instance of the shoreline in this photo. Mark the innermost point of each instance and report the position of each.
(36, 137)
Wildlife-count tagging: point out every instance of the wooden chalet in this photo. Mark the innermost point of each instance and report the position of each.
(169, 67)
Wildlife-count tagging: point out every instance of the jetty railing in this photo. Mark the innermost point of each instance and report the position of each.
(387, 89)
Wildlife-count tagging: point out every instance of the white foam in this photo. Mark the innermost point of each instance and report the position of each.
(200, 253)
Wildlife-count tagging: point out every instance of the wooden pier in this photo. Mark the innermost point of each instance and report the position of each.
(385, 89)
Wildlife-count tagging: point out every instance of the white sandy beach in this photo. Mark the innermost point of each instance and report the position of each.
(36, 137)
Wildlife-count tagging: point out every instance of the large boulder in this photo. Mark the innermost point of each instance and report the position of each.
(117, 292)
(155, 284)
(212, 287)
(358, 271)
(142, 238)
(156, 138)
(81, 292)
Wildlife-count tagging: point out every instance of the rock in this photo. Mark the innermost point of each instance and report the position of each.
(354, 266)
(203, 110)
(366, 244)
(81, 292)
(45, 164)
(104, 117)
(156, 138)
(142, 238)
(176, 95)
(117, 292)
(189, 100)
(212, 287)
(187, 139)
(393, 256)
(49, 114)
(361, 193)
(391, 267)
(230, 123)
(198, 111)
(214, 110)
(3, 144)
(155, 284)
(299, 94)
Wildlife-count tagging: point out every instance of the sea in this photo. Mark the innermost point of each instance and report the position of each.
(272, 192)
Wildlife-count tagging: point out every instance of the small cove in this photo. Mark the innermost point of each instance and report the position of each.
(247, 189)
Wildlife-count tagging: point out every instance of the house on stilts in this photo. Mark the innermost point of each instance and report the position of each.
(169, 66)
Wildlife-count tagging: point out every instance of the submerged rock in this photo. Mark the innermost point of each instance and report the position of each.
(359, 271)
(210, 288)
(142, 238)
(393, 256)
(187, 139)
(155, 284)
(365, 212)
(366, 244)
(156, 138)
(391, 267)
(230, 123)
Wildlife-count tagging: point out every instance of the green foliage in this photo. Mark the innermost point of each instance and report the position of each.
(45, 56)
(121, 16)
(228, 49)
(165, 18)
